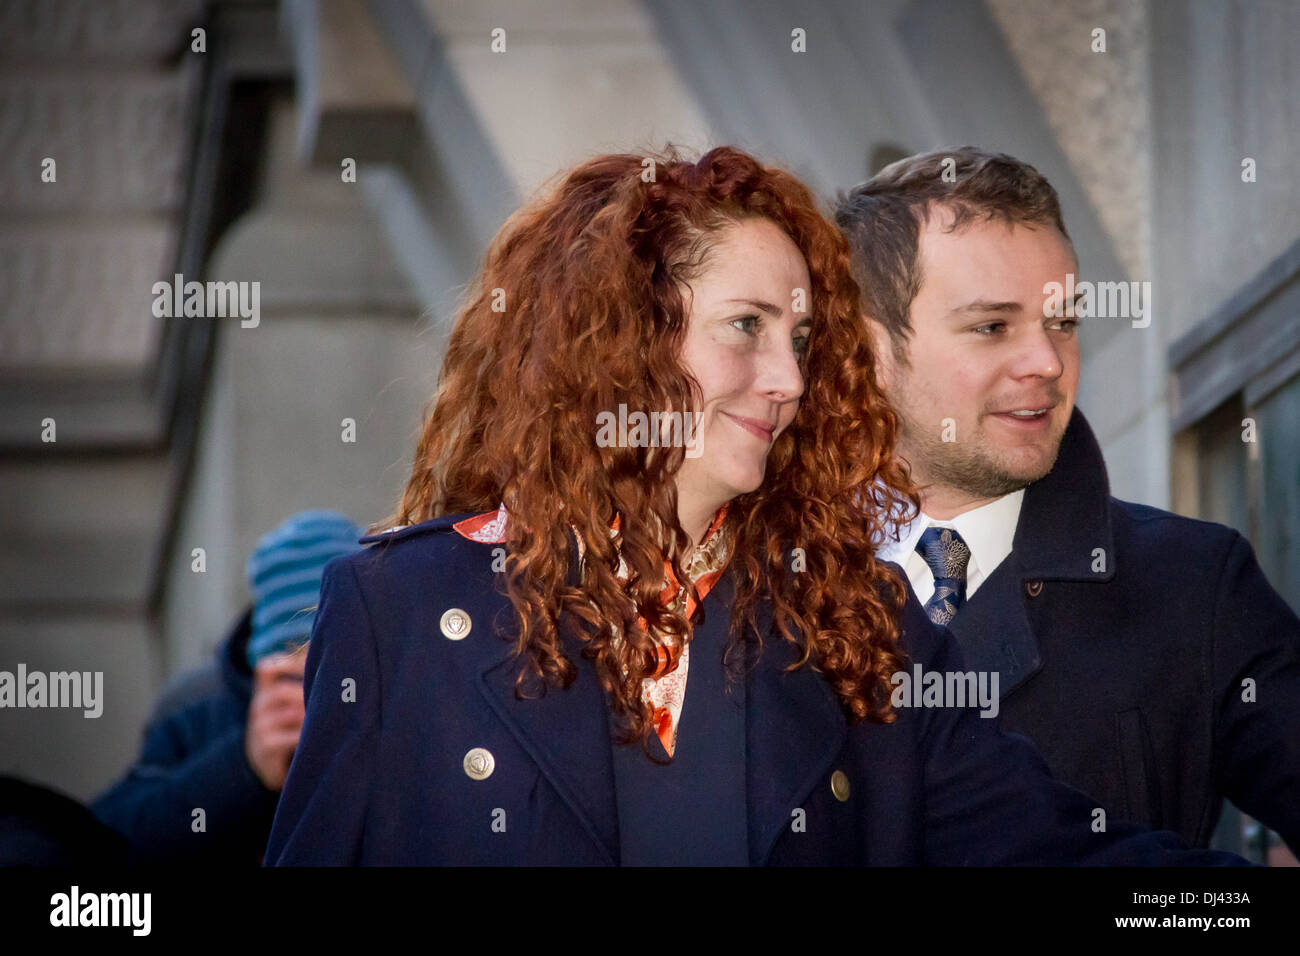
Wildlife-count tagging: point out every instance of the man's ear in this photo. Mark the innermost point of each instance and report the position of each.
(882, 348)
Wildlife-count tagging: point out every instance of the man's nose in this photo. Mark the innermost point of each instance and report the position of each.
(1037, 355)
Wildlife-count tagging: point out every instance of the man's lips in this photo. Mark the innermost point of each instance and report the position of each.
(1027, 415)
(754, 426)
(1026, 407)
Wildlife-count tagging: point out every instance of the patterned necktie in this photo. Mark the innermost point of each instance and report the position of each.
(946, 555)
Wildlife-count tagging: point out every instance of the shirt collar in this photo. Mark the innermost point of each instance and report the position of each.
(988, 531)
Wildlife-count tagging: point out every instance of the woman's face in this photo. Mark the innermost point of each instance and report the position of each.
(749, 320)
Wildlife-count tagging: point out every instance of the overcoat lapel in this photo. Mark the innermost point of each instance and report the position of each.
(994, 632)
(794, 728)
(567, 733)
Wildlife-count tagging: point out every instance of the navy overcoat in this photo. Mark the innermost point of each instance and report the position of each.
(1144, 653)
(416, 751)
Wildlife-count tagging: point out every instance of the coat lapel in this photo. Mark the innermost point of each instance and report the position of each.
(566, 732)
(794, 728)
(994, 632)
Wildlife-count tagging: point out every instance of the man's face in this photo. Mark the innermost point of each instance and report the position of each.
(989, 382)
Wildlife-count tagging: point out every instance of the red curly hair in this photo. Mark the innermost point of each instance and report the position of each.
(591, 277)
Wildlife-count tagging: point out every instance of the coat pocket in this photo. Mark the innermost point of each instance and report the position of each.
(1141, 782)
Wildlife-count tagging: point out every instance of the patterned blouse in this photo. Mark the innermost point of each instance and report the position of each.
(665, 689)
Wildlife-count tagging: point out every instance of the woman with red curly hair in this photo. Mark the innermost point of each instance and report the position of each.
(631, 612)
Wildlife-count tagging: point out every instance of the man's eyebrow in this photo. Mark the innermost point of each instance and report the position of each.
(987, 305)
(768, 307)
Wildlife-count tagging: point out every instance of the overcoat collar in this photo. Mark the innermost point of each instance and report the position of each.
(1065, 516)
(1064, 534)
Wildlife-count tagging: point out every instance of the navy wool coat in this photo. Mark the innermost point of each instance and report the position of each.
(394, 709)
(193, 756)
(1144, 653)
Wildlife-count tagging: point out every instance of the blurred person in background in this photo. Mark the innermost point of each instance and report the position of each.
(221, 737)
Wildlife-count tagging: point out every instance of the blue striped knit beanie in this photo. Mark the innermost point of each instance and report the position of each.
(284, 576)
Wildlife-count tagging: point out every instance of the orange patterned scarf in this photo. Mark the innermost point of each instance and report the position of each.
(665, 689)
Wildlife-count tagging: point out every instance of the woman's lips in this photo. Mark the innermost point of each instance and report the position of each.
(753, 426)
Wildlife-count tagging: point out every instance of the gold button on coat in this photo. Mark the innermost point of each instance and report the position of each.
(479, 763)
(455, 624)
(840, 785)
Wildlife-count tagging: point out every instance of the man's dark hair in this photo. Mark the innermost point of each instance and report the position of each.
(882, 218)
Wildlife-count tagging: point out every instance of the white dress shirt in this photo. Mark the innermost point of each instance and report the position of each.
(987, 530)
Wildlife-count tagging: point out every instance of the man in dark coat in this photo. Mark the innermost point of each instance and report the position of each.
(218, 746)
(1144, 653)
(194, 757)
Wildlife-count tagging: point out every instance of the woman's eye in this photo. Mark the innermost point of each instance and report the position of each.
(991, 329)
(753, 319)
(801, 345)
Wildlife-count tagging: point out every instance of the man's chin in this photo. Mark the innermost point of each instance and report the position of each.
(985, 468)
(1025, 469)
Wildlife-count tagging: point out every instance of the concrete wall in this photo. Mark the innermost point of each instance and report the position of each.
(1156, 129)
(104, 90)
(340, 336)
